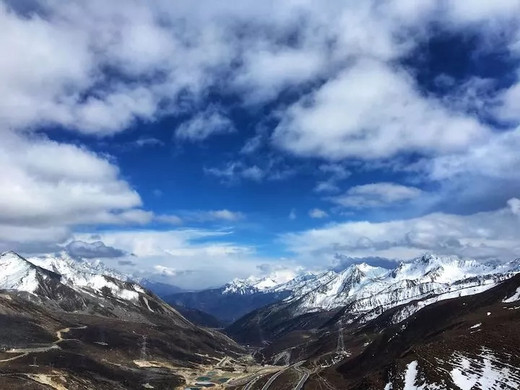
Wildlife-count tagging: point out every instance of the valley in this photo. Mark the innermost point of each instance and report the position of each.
(81, 329)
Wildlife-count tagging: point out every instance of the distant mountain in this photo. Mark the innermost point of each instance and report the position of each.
(227, 307)
(364, 292)
(200, 318)
(235, 299)
(86, 329)
(161, 289)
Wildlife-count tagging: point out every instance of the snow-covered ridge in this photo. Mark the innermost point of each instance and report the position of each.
(75, 271)
(27, 275)
(430, 278)
(330, 289)
(367, 291)
(274, 282)
(18, 274)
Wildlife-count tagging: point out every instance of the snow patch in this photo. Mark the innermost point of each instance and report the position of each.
(484, 372)
(513, 298)
(410, 377)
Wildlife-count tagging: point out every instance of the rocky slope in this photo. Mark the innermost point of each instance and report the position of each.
(463, 343)
(80, 329)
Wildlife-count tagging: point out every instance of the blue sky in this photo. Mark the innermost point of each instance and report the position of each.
(194, 143)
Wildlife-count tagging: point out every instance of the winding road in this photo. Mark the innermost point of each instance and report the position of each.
(26, 351)
(305, 375)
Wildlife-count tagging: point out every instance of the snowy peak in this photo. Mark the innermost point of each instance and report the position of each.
(77, 272)
(17, 273)
(365, 288)
(252, 285)
(442, 269)
(71, 284)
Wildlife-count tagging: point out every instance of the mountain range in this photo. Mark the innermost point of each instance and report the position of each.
(437, 322)
(364, 292)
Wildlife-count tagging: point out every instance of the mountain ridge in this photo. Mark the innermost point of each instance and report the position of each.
(366, 292)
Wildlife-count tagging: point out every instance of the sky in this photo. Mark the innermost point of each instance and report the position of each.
(196, 142)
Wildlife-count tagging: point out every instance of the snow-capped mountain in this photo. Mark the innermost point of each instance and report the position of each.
(91, 330)
(362, 292)
(16, 273)
(79, 286)
(75, 270)
(93, 276)
(364, 288)
(274, 282)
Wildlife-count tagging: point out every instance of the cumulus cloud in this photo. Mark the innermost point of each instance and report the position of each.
(350, 45)
(165, 271)
(376, 195)
(104, 66)
(498, 158)
(189, 258)
(365, 110)
(318, 214)
(171, 219)
(48, 187)
(91, 250)
(484, 235)
(336, 173)
(205, 124)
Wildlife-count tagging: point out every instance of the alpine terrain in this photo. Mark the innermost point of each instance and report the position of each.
(437, 322)
(68, 324)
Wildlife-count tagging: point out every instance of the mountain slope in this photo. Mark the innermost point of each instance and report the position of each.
(116, 336)
(461, 343)
(469, 342)
(199, 317)
(365, 292)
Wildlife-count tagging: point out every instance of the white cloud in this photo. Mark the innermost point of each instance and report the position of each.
(236, 170)
(264, 168)
(482, 11)
(164, 50)
(317, 214)
(267, 70)
(292, 215)
(492, 234)
(370, 111)
(189, 258)
(205, 124)
(508, 104)
(169, 219)
(165, 271)
(499, 159)
(336, 172)
(148, 141)
(376, 195)
(165, 57)
(54, 186)
(90, 250)
(223, 214)
(514, 206)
